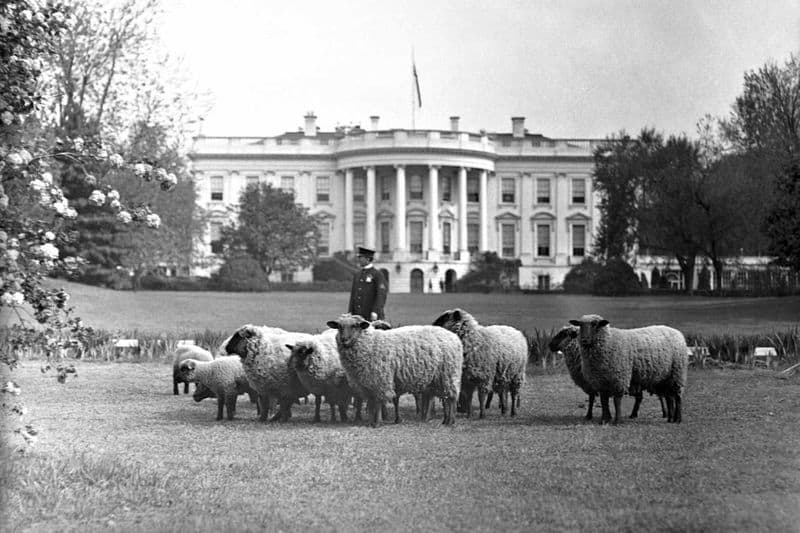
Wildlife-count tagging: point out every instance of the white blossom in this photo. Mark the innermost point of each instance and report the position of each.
(102, 153)
(161, 174)
(3, 201)
(115, 204)
(49, 235)
(14, 159)
(26, 156)
(12, 299)
(11, 387)
(58, 17)
(70, 213)
(116, 160)
(78, 144)
(124, 217)
(7, 117)
(97, 198)
(12, 254)
(139, 169)
(47, 178)
(27, 14)
(49, 251)
(153, 220)
(37, 185)
(113, 194)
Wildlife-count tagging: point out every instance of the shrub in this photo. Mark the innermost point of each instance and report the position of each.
(580, 278)
(489, 272)
(616, 278)
(240, 272)
(335, 268)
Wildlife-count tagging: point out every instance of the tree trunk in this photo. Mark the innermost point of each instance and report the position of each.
(687, 268)
(718, 266)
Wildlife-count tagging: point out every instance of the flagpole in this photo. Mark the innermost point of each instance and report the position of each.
(413, 88)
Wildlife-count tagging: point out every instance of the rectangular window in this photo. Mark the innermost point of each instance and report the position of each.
(386, 243)
(324, 244)
(359, 188)
(217, 186)
(542, 191)
(415, 188)
(323, 189)
(287, 184)
(358, 234)
(578, 191)
(507, 191)
(415, 237)
(578, 240)
(215, 235)
(287, 277)
(250, 181)
(543, 240)
(446, 236)
(543, 282)
(386, 187)
(473, 189)
(447, 189)
(508, 240)
(473, 237)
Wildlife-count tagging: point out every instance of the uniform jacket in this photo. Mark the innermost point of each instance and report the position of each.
(368, 294)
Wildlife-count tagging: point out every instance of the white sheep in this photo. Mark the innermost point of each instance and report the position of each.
(223, 377)
(265, 358)
(615, 361)
(317, 364)
(495, 358)
(181, 354)
(384, 364)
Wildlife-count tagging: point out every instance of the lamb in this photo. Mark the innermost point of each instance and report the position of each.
(615, 361)
(565, 341)
(384, 364)
(223, 377)
(494, 357)
(181, 354)
(265, 358)
(317, 364)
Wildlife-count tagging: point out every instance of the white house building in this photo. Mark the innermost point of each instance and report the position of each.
(423, 199)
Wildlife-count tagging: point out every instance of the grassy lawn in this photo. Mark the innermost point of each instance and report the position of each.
(187, 312)
(117, 451)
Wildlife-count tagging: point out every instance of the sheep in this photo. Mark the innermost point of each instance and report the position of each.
(495, 358)
(265, 358)
(615, 361)
(565, 341)
(223, 377)
(181, 354)
(384, 364)
(317, 364)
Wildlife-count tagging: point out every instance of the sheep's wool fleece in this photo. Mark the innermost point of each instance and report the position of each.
(324, 374)
(493, 355)
(572, 356)
(224, 375)
(266, 363)
(190, 352)
(653, 358)
(409, 359)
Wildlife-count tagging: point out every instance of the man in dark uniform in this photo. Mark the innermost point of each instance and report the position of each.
(368, 294)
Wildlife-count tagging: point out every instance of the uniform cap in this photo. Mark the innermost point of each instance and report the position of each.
(366, 252)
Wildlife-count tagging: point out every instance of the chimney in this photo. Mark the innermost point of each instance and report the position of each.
(311, 124)
(454, 123)
(518, 127)
(374, 119)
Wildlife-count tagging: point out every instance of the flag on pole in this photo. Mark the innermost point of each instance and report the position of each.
(416, 83)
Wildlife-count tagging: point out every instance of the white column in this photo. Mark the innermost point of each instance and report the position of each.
(400, 210)
(370, 229)
(435, 235)
(484, 211)
(462, 212)
(348, 210)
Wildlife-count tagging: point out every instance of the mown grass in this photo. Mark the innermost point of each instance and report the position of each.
(118, 452)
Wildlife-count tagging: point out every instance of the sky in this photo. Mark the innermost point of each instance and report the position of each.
(573, 69)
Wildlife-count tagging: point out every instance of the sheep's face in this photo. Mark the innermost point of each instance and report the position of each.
(301, 354)
(449, 320)
(349, 327)
(237, 345)
(562, 338)
(186, 370)
(588, 326)
(202, 392)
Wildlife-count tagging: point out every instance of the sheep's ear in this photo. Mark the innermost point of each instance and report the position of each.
(333, 324)
(363, 324)
(602, 323)
(291, 348)
(457, 314)
(189, 365)
(442, 319)
(575, 323)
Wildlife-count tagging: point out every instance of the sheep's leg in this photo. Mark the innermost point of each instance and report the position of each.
(285, 409)
(358, 404)
(374, 411)
(606, 417)
(220, 405)
(617, 407)
(663, 403)
(514, 392)
(481, 403)
(489, 397)
(186, 387)
(589, 413)
(343, 409)
(230, 404)
(396, 402)
(503, 401)
(670, 407)
(263, 403)
(175, 386)
(317, 405)
(636, 403)
(461, 405)
(384, 410)
(333, 411)
(449, 411)
(676, 415)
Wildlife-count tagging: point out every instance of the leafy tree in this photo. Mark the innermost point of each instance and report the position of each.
(616, 278)
(273, 229)
(488, 272)
(580, 278)
(766, 122)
